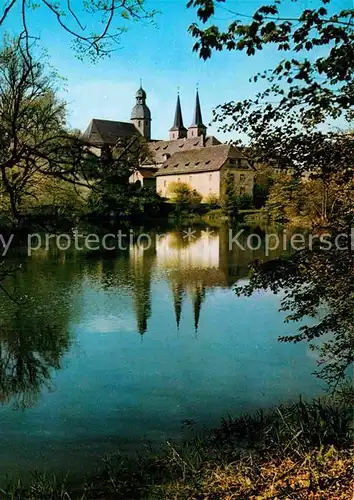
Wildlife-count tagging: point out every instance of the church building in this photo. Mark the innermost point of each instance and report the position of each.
(189, 155)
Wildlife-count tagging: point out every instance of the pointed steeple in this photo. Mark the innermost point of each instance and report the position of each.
(178, 130)
(198, 120)
(197, 128)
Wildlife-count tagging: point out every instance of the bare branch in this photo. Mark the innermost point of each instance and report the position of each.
(6, 11)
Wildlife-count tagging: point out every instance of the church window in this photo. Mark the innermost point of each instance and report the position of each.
(139, 123)
(179, 179)
(210, 177)
(242, 177)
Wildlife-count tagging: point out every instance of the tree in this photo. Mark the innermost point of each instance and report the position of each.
(109, 174)
(105, 18)
(313, 84)
(319, 83)
(34, 141)
(313, 281)
(262, 184)
(286, 199)
(244, 201)
(229, 198)
(55, 197)
(212, 200)
(182, 194)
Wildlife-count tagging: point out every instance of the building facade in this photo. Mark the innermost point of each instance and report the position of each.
(189, 155)
(206, 170)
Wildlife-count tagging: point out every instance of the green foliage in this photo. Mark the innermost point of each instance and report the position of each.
(286, 198)
(214, 216)
(316, 283)
(317, 76)
(212, 200)
(260, 194)
(34, 142)
(262, 183)
(312, 84)
(244, 202)
(108, 175)
(229, 203)
(56, 197)
(182, 194)
(124, 200)
(310, 202)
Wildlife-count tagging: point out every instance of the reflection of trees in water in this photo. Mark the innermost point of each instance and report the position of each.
(131, 273)
(316, 284)
(29, 349)
(178, 293)
(34, 333)
(141, 274)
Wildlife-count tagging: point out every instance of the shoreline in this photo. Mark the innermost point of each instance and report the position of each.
(297, 451)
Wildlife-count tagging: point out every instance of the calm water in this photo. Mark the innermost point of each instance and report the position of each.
(116, 351)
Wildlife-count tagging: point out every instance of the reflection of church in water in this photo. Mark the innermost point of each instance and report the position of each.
(192, 266)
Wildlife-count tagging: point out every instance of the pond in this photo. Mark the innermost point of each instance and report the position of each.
(113, 351)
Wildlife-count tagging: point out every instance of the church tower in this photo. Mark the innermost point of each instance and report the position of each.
(141, 116)
(197, 129)
(178, 130)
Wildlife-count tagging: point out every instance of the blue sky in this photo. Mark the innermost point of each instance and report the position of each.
(162, 56)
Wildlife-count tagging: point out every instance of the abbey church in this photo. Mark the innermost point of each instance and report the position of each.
(188, 155)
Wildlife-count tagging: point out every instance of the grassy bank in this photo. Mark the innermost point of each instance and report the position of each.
(301, 451)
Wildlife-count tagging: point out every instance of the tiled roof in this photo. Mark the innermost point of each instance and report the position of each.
(101, 132)
(202, 160)
(160, 149)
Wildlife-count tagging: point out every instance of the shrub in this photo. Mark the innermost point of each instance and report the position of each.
(229, 199)
(212, 199)
(244, 202)
(181, 193)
